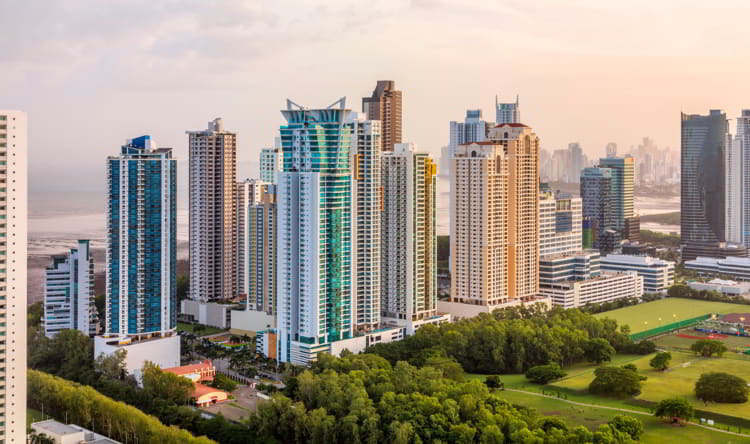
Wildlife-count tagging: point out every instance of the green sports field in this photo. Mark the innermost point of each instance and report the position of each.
(650, 315)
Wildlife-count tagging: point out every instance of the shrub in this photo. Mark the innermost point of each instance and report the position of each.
(708, 348)
(629, 425)
(543, 374)
(615, 381)
(661, 361)
(494, 382)
(721, 387)
(674, 407)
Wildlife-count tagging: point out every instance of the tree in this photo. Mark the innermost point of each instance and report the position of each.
(599, 350)
(168, 386)
(708, 347)
(544, 374)
(183, 285)
(661, 361)
(40, 438)
(34, 314)
(679, 291)
(450, 368)
(615, 381)
(674, 408)
(629, 425)
(112, 366)
(721, 387)
(494, 382)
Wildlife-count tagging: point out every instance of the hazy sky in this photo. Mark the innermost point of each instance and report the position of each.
(93, 73)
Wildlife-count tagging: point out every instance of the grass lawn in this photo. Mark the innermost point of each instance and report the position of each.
(656, 431)
(181, 326)
(646, 316)
(732, 342)
(679, 380)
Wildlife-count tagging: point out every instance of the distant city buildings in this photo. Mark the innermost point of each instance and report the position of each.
(623, 189)
(271, 162)
(385, 105)
(13, 256)
(735, 267)
(507, 112)
(409, 242)
(69, 293)
(703, 187)
(213, 166)
(658, 274)
(494, 203)
(597, 196)
(560, 223)
(608, 192)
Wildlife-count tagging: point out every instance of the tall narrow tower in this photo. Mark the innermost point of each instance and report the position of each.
(409, 246)
(141, 242)
(507, 112)
(13, 172)
(213, 247)
(314, 230)
(385, 105)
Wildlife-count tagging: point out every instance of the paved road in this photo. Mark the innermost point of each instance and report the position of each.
(635, 412)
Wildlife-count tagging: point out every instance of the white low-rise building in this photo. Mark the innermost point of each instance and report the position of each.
(736, 267)
(162, 351)
(725, 287)
(658, 274)
(213, 314)
(69, 433)
(606, 287)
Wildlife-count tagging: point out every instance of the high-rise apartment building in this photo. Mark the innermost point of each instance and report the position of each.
(13, 212)
(472, 129)
(495, 218)
(507, 112)
(69, 293)
(213, 253)
(409, 242)
(366, 232)
(560, 223)
(141, 241)
(743, 140)
(703, 185)
(577, 161)
(385, 105)
(314, 232)
(248, 193)
(623, 188)
(271, 162)
(261, 253)
(611, 150)
(597, 197)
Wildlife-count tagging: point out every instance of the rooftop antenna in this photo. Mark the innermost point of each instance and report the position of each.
(341, 102)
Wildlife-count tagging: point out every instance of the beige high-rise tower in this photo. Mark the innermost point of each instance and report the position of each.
(494, 221)
(213, 246)
(385, 105)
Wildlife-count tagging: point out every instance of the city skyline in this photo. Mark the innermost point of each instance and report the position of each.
(52, 78)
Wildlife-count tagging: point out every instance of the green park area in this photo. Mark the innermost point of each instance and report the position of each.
(659, 313)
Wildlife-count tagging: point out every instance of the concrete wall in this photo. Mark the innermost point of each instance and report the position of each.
(251, 321)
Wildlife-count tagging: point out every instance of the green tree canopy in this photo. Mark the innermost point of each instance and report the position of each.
(721, 387)
(674, 408)
(661, 361)
(544, 374)
(167, 386)
(615, 381)
(708, 347)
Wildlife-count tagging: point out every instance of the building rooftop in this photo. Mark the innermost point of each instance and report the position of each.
(635, 259)
(514, 125)
(55, 427)
(191, 368)
(738, 318)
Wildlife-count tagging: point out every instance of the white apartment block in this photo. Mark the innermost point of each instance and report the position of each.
(736, 267)
(495, 218)
(247, 194)
(213, 166)
(13, 229)
(69, 293)
(560, 224)
(657, 274)
(409, 242)
(733, 192)
(742, 139)
(366, 206)
(271, 162)
(606, 287)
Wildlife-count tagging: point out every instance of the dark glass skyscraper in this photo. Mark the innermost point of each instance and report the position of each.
(141, 240)
(702, 203)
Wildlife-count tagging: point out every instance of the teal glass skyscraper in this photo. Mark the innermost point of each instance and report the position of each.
(314, 229)
(141, 241)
